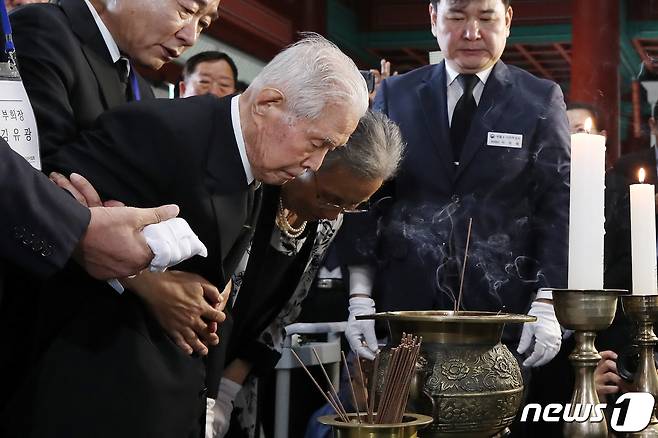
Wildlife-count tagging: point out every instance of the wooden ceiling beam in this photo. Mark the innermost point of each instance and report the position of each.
(533, 61)
(562, 52)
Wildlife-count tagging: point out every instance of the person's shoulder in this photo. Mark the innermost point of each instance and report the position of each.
(528, 80)
(412, 77)
(41, 14)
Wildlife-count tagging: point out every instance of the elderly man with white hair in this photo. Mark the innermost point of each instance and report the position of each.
(111, 365)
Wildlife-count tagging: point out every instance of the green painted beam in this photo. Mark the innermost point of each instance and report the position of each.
(546, 34)
(643, 29)
(342, 29)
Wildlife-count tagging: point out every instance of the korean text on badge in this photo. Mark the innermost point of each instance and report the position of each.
(504, 140)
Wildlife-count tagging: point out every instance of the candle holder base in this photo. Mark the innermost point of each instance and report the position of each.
(585, 312)
(643, 311)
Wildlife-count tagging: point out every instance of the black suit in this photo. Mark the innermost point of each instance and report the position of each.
(270, 279)
(40, 225)
(518, 197)
(66, 68)
(102, 365)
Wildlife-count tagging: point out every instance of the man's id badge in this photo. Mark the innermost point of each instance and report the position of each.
(18, 126)
(504, 140)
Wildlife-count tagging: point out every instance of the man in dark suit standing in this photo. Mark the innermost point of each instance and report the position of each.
(77, 57)
(102, 355)
(489, 142)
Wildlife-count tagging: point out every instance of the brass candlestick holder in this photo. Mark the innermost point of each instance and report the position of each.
(585, 312)
(643, 311)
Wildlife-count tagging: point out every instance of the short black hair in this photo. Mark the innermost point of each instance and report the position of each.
(593, 110)
(435, 2)
(209, 56)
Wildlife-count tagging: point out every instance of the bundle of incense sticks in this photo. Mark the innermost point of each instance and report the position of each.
(394, 397)
(399, 373)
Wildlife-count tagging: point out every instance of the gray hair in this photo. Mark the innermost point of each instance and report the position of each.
(373, 151)
(312, 73)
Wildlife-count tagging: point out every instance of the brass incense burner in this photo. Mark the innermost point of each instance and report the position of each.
(408, 428)
(468, 381)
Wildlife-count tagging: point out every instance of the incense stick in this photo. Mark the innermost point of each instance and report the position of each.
(461, 282)
(317, 385)
(362, 382)
(373, 388)
(331, 385)
(349, 377)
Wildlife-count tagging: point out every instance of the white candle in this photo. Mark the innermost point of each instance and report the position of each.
(643, 237)
(586, 216)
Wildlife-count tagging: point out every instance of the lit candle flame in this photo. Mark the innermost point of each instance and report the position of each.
(641, 175)
(588, 125)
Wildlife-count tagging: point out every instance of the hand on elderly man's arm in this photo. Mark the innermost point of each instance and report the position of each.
(186, 305)
(166, 241)
(544, 335)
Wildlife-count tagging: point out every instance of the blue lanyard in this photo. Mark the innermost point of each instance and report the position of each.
(6, 29)
(134, 84)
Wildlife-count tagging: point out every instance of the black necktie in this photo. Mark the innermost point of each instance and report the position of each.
(123, 69)
(463, 114)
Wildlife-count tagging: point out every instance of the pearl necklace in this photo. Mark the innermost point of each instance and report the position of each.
(281, 221)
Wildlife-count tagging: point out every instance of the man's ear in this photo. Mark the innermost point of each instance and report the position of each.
(181, 88)
(268, 99)
(432, 12)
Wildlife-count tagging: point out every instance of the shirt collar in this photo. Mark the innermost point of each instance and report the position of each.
(452, 74)
(239, 139)
(107, 36)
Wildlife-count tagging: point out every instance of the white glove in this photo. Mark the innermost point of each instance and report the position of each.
(545, 333)
(210, 417)
(221, 411)
(356, 331)
(172, 241)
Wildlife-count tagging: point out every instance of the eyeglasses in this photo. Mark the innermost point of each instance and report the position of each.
(349, 208)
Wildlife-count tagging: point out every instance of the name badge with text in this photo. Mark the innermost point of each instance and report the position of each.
(502, 139)
(18, 126)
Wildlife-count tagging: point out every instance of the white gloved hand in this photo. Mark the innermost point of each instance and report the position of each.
(545, 333)
(172, 241)
(358, 330)
(210, 417)
(221, 411)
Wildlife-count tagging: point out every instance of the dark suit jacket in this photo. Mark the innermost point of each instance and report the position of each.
(66, 68)
(40, 226)
(518, 198)
(263, 295)
(102, 366)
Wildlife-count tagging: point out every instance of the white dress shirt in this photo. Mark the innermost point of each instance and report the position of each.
(455, 91)
(237, 131)
(107, 36)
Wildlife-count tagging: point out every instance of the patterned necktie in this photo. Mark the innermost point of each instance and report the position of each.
(463, 114)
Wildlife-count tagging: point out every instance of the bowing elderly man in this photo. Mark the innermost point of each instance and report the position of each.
(107, 367)
(486, 141)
